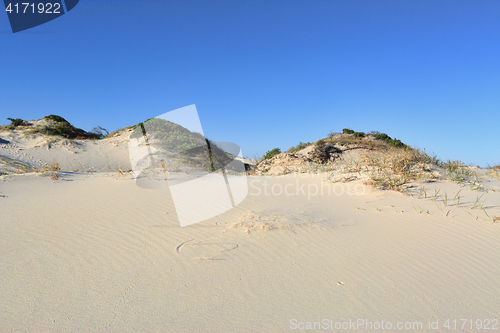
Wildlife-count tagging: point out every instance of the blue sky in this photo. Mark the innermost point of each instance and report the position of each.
(266, 74)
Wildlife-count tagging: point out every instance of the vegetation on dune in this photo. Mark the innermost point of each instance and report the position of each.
(298, 147)
(495, 167)
(15, 122)
(55, 126)
(112, 134)
(65, 130)
(56, 118)
(271, 153)
(169, 136)
(386, 163)
(391, 142)
(395, 167)
(381, 136)
(396, 143)
(347, 131)
(100, 132)
(191, 149)
(15, 165)
(327, 149)
(324, 152)
(359, 134)
(389, 162)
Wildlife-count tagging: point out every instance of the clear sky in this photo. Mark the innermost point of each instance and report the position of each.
(266, 74)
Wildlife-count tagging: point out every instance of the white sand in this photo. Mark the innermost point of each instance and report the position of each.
(71, 155)
(93, 252)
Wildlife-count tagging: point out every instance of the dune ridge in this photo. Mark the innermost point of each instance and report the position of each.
(89, 251)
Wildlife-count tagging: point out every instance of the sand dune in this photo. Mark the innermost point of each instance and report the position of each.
(71, 155)
(88, 250)
(95, 252)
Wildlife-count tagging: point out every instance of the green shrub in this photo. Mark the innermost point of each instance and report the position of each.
(63, 130)
(271, 153)
(396, 143)
(347, 131)
(16, 122)
(359, 134)
(382, 136)
(389, 141)
(59, 119)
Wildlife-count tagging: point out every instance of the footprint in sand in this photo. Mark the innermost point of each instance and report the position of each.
(205, 249)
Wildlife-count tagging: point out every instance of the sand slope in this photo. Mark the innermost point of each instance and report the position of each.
(96, 253)
(38, 151)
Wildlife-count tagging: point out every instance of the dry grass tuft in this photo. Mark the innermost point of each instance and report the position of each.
(396, 167)
(496, 171)
(53, 167)
(388, 168)
(50, 170)
(123, 172)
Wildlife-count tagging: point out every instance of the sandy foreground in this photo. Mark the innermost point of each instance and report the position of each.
(93, 252)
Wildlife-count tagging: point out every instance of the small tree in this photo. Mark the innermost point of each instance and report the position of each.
(15, 122)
